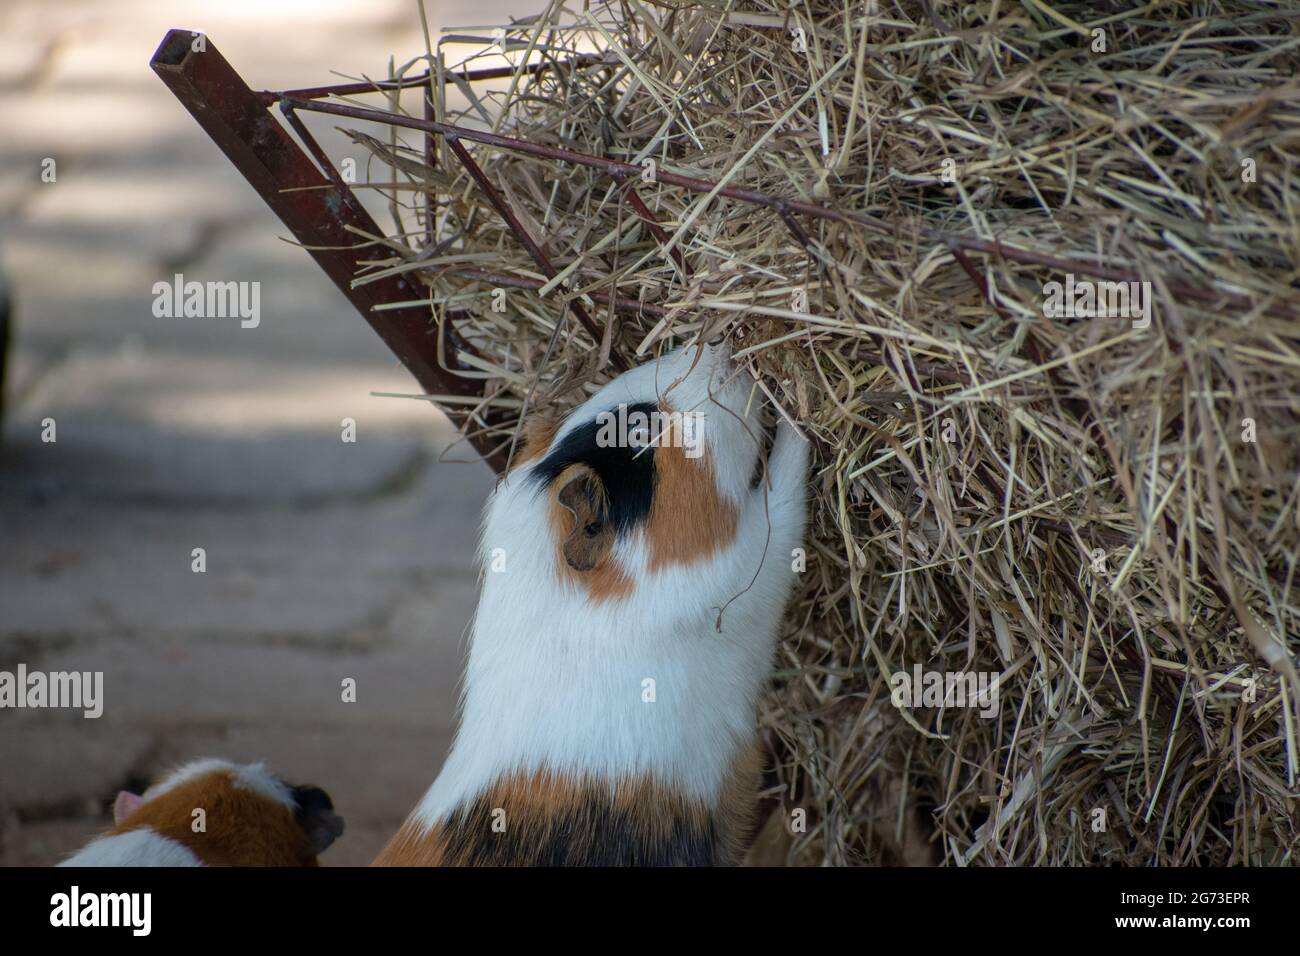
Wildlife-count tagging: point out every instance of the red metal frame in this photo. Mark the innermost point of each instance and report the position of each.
(239, 122)
(318, 211)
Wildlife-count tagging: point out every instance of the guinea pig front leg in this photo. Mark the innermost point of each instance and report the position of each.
(772, 523)
(787, 496)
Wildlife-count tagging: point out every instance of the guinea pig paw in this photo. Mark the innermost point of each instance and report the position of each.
(788, 460)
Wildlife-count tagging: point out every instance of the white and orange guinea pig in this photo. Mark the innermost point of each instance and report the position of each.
(249, 818)
(632, 596)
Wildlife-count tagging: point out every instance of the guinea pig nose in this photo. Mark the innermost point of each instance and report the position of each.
(312, 799)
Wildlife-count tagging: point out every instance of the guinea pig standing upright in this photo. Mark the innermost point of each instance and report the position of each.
(634, 580)
(249, 818)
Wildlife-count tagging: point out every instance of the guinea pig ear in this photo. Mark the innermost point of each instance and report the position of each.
(590, 536)
(316, 817)
(125, 804)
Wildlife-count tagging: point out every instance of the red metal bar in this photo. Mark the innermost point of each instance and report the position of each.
(237, 120)
(643, 211)
(422, 79)
(786, 207)
(977, 278)
(318, 213)
(430, 160)
(802, 237)
(526, 240)
(611, 167)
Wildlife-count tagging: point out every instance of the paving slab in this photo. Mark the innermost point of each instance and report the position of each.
(324, 559)
(69, 764)
(159, 218)
(165, 687)
(45, 843)
(73, 568)
(169, 700)
(177, 429)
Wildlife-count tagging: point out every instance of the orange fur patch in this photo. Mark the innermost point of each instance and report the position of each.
(545, 819)
(689, 520)
(605, 580)
(535, 438)
(737, 810)
(244, 828)
(413, 845)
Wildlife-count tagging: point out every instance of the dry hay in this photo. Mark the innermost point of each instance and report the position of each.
(1067, 502)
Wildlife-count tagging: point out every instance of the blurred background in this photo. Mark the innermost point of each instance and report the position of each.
(325, 560)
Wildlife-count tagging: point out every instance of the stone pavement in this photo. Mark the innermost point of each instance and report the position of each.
(324, 559)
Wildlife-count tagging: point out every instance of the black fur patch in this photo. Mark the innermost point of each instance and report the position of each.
(310, 801)
(591, 832)
(627, 473)
(316, 818)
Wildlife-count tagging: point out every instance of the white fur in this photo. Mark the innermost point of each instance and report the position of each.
(253, 776)
(142, 847)
(555, 682)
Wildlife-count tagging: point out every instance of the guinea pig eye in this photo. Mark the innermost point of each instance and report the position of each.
(592, 529)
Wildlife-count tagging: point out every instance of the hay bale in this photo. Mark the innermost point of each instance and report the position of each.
(1104, 515)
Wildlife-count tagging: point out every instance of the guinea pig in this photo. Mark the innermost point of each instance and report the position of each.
(249, 818)
(636, 560)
